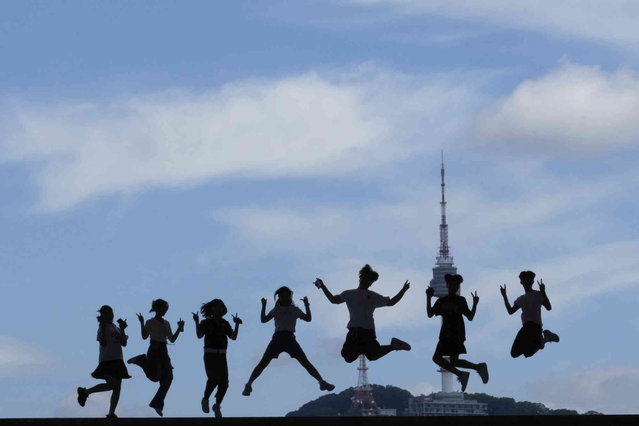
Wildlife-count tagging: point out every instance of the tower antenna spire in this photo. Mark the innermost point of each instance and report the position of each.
(444, 257)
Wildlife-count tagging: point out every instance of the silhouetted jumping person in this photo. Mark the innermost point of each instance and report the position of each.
(453, 332)
(530, 337)
(361, 302)
(285, 314)
(215, 331)
(156, 363)
(111, 365)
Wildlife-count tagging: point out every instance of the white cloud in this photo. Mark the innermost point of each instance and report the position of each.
(607, 389)
(612, 21)
(573, 109)
(18, 357)
(306, 125)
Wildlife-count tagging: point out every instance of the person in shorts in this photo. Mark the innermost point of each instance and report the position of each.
(361, 303)
(285, 315)
(111, 367)
(531, 337)
(452, 308)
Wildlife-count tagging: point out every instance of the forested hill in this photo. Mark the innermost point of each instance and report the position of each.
(394, 397)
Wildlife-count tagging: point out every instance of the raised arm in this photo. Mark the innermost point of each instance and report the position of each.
(429, 297)
(180, 328)
(143, 332)
(263, 317)
(123, 337)
(237, 322)
(307, 316)
(546, 301)
(471, 314)
(198, 329)
(335, 299)
(400, 294)
(511, 309)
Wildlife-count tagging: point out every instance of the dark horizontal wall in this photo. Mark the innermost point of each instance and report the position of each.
(339, 421)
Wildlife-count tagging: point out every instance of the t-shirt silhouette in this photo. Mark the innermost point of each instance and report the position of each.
(530, 304)
(361, 305)
(113, 339)
(285, 317)
(451, 309)
(215, 333)
(158, 328)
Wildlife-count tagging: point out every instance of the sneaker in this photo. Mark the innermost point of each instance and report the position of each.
(483, 372)
(399, 345)
(549, 336)
(216, 409)
(463, 379)
(324, 385)
(205, 405)
(111, 416)
(82, 396)
(247, 389)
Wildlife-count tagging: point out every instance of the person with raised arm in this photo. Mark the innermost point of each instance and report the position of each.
(361, 303)
(215, 330)
(285, 315)
(452, 308)
(156, 362)
(111, 367)
(530, 337)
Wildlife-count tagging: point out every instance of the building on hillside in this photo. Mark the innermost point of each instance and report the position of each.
(445, 404)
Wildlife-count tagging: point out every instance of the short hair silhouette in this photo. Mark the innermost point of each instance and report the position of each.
(207, 308)
(527, 275)
(158, 304)
(368, 274)
(106, 314)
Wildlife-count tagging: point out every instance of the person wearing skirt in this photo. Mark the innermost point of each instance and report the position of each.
(111, 367)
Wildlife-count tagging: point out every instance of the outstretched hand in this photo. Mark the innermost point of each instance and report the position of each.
(140, 317)
(406, 286)
(122, 323)
(502, 289)
(430, 291)
(475, 297)
(542, 286)
(318, 283)
(236, 319)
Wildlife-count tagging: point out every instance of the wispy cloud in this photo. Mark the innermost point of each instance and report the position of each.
(574, 109)
(314, 124)
(18, 357)
(612, 21)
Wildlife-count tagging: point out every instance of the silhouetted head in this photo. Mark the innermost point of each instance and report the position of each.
(106, 315)
(284, 296)
(214, 309)
(159, 306)
(527, 279)
(367, 276)
(453, 281)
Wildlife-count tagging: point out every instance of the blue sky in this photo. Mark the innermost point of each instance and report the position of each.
(225, 149)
